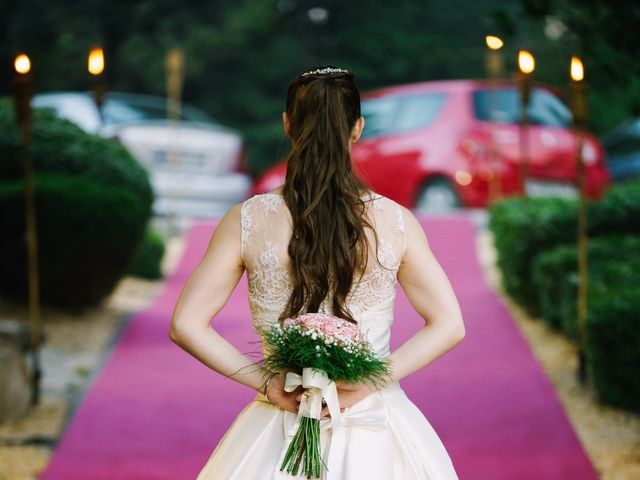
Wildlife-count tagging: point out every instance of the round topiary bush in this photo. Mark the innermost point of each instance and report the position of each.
(93, 202)
(147, 261)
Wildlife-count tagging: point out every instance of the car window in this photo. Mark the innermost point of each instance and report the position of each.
(547, 109)
(79, 110)
(119, 110)
(390, 115)
(116, 111)
(379, 115)
(623, 141)
(544, 107)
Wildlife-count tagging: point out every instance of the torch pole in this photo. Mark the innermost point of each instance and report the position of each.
(22, 97)
(526, 66)
(579, 108)
(95, 67)
(174, 67)
(494, 67)
(525, 91)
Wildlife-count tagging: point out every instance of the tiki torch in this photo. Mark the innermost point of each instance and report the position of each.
(174, 68)
(95, 66)
(494, 66)
(22, 97)
(526, 65)
(579, 109)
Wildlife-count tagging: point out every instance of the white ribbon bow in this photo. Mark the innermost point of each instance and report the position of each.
(369, 413)
(317, 386)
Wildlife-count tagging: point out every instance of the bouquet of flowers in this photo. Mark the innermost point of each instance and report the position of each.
(323, 349)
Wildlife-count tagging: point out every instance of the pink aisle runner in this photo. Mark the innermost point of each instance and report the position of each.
(154, 412)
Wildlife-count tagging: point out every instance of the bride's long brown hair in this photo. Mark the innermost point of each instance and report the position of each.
(328, 245)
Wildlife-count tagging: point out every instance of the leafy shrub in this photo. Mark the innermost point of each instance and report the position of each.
(147, 260)
(555, 276)
(535, 241)
(86, 236)
(59, 146)
(550, 276)
(523, 228)
(93, 202)
(612, 345)
(619, 210)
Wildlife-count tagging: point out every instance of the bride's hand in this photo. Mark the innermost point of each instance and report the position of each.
(348, 395)
(280, 398)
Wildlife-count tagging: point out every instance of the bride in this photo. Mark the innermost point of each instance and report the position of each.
(323, 242)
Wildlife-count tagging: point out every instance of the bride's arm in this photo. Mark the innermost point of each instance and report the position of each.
(204, 294)
(429, 291)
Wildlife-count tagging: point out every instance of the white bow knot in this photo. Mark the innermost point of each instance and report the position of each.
(317, 386)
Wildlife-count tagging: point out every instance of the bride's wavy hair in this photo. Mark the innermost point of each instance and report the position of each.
(328, 245)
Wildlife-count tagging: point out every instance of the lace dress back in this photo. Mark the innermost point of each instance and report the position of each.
(383, 436)
(266, 231)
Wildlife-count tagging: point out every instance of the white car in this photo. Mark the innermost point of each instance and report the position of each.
(195, 165)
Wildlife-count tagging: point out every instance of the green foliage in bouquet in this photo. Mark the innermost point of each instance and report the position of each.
(293, 350)
(339, 351)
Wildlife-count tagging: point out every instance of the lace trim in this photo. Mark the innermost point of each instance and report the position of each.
(400, 227)
(370, 299)
(245, 226)
(399, 219)
(271, 201)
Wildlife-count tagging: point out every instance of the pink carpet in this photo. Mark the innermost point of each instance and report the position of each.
(154, 412)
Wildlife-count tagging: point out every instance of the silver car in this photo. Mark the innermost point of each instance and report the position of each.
(195, 165)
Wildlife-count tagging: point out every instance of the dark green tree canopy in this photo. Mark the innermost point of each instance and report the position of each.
(241, 55)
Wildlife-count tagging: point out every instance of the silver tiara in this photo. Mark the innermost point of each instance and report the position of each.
(325, 71)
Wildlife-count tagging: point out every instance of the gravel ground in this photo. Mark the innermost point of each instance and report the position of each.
(77, 347)
(75, 350)
(610, 436)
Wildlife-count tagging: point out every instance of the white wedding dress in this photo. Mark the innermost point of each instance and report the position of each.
(383, 436)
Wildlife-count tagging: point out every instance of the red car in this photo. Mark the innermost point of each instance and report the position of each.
(428, 146)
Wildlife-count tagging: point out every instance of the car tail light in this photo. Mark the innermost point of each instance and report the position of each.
(463, 177)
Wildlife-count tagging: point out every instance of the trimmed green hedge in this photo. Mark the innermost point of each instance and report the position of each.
(147, 261)
(523, 228)
(555, 276)
(60, 147)
(93, 202)
(535, 240)
(612, 346)
(548, 268)
(87, 233)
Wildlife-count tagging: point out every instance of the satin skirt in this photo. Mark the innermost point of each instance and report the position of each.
(384, 436)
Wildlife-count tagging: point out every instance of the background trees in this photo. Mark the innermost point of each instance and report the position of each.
(242, 54)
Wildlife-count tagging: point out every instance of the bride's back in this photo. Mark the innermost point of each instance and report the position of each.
(266, 231)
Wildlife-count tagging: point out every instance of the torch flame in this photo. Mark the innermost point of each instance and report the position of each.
(96, 61)
(494, 43)
(22, 64)
(577, 70)
(526, 62)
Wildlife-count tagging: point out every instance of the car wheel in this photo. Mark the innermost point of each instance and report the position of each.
(438, 196)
